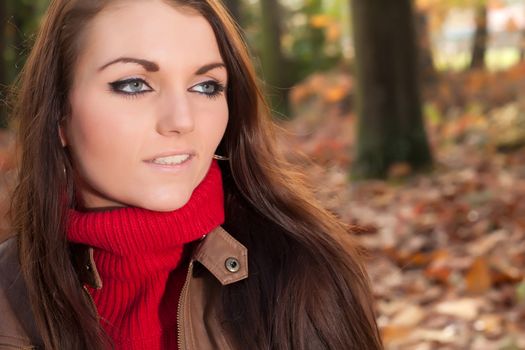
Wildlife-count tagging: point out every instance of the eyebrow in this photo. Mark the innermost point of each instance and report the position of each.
(148, 65)
(154, 67)
(207, 67)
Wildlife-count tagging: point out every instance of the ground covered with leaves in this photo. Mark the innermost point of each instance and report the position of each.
(447, 248)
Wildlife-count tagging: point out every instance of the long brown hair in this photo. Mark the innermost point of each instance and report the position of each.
(307, 288)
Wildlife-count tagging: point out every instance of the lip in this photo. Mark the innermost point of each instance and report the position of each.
(171, 153)
(170, 168)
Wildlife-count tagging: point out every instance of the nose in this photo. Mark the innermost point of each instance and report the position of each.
(175, 115)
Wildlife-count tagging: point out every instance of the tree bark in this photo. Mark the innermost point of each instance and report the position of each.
(234, 6)
(479, 44)
(3, 64)
(274, 64)
(390, 123)
(426, 59)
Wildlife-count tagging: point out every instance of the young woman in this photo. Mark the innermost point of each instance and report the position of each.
(152, 209)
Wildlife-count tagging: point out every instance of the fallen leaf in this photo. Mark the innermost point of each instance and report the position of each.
(478, 279)
(491, 325)
(392, 334)
(467, 308)
(410, 316)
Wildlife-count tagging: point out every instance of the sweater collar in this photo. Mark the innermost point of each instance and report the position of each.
(133, 236)
(213, 252)
(132, 230)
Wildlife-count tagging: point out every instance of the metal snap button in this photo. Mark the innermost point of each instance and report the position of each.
(232, 265)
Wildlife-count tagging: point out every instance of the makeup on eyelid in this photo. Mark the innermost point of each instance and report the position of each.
(114, 87)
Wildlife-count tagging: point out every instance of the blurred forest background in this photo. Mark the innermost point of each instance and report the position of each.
(410, 117)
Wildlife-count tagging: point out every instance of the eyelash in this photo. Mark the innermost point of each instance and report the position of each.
(114, 87)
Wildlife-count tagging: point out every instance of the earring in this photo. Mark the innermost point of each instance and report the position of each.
(220, 157)
(61, 136)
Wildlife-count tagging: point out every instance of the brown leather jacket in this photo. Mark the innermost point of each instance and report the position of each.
(216, 261)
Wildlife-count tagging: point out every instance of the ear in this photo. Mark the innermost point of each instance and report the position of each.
(62, 135)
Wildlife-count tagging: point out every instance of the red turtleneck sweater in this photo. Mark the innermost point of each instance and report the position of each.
(139, 256)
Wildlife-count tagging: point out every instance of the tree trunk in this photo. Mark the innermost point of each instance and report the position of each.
(390, 124)
(234, 6)
(426, 60)
(3, 64)
(479, 44)
(273, 63)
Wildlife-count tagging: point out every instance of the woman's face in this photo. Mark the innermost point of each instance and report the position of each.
(148, 106)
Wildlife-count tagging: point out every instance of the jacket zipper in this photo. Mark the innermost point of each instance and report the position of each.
(180, 307)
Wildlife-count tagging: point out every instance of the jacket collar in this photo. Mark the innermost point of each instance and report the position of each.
(220, 253)
(223, 256)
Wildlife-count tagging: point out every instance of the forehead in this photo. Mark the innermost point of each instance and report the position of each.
(151, 30)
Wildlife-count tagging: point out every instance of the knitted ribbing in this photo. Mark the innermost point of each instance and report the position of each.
(139, 256)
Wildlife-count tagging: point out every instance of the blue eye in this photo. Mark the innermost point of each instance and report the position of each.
(209, 88)
(131, 87)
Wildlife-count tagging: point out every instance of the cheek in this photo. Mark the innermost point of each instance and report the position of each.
(214, 122)
(98, 131)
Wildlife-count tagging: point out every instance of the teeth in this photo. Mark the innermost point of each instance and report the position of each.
(172, 159)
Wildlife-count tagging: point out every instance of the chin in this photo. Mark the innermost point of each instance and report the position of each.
(165, 204)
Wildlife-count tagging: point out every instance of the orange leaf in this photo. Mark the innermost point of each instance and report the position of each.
(395, 333)
(319, 21)
(478, 277)
(335, 94)
(438, 273)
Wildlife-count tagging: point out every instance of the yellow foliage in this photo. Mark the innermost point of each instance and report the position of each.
(333, 32)
(335, 94)
(319, 21)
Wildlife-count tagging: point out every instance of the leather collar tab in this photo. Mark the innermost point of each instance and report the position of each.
(84, 264)
(223, 256)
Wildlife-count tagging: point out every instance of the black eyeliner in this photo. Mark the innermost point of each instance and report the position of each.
(114, 87)
(219, 89)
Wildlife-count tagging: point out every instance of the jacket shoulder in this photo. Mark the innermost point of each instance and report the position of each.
(17, 325)
(9, 263)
